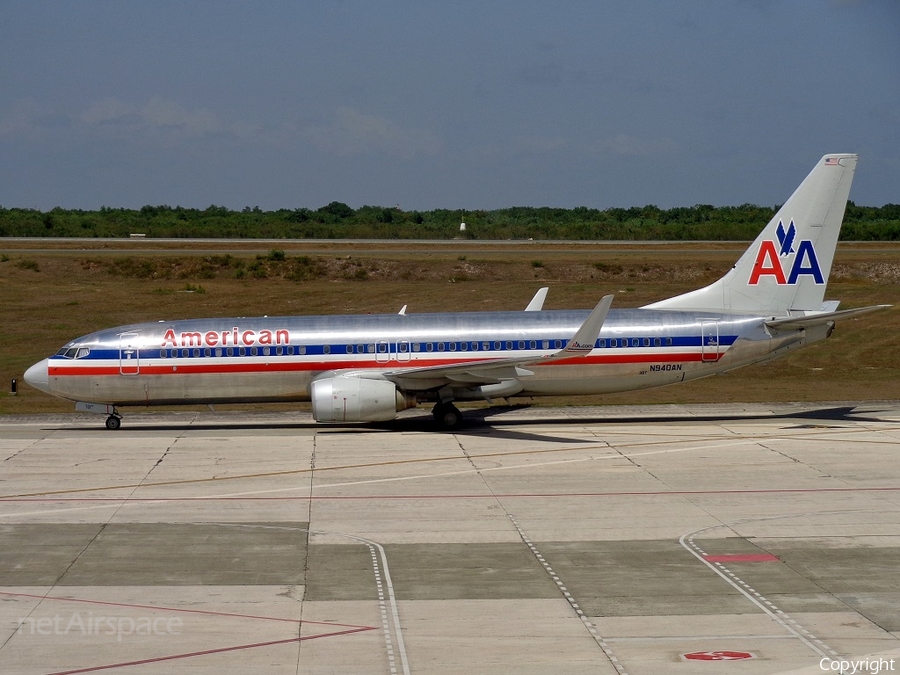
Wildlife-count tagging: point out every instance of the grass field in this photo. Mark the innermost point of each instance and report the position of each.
(53, 292)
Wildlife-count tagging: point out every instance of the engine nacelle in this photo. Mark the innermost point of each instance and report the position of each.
(355, 399)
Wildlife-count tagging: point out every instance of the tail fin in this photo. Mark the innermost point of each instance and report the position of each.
(787, 267)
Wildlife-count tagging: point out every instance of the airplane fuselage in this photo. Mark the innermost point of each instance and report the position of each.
(270, 359)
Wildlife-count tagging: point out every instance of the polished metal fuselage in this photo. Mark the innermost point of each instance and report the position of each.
(267, 359)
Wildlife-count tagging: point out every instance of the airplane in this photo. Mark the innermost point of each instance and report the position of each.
(367, 368)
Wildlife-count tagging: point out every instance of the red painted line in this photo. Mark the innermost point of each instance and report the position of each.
(741, 558)
(163, 608)
(535, 495)
(206, 652)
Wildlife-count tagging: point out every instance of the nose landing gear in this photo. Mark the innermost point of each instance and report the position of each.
(113, 422)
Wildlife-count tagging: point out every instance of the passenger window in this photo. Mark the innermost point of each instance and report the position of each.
(230, 351)
(668, 342)
(440, 346)
(255, 350)
(657, 342)
(326, 349)
(266, 351)
(646, 342)
(218, 351)
(546, 344)
(429, 347)
(207, 352)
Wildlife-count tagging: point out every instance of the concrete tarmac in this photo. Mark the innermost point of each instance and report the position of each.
(625, 540)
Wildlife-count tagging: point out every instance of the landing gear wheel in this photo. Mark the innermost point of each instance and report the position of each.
(447, 416)
(113, 422)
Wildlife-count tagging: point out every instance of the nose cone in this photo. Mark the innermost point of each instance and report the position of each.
(37, 376)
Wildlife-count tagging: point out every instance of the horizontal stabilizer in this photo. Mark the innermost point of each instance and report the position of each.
(809, 320)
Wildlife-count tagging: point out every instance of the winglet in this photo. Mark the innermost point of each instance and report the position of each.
(582, 343)
(537, 302)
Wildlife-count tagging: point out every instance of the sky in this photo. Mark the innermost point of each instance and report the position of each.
(443, 105)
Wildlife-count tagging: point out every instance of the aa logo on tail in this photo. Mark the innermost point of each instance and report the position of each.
(769, 261)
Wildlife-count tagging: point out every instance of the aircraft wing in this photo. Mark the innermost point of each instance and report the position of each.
(809, 320)
(493, 371)
(537, 302)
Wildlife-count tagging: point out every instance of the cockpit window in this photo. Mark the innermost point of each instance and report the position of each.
(73, 352)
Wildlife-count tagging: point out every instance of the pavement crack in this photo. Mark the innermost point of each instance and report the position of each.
(796, 460)
(162, 457)
(21, 450)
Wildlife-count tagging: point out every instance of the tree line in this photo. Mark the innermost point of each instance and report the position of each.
(339, 221)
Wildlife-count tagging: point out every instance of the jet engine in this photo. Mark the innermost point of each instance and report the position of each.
(349, 398)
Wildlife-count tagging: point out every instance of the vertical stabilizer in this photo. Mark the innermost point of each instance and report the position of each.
(787, 267)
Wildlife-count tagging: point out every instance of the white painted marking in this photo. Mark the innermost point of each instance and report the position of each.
(753, 596)
(387, 584)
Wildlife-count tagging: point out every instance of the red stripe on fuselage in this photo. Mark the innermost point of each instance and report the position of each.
(283, 364)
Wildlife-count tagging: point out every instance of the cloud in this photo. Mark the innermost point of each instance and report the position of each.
(159, 117)
(28, 120)
(157, 120)
(352, 133)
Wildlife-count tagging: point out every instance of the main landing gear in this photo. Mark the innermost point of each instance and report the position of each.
(114, 421)
(447, 416)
